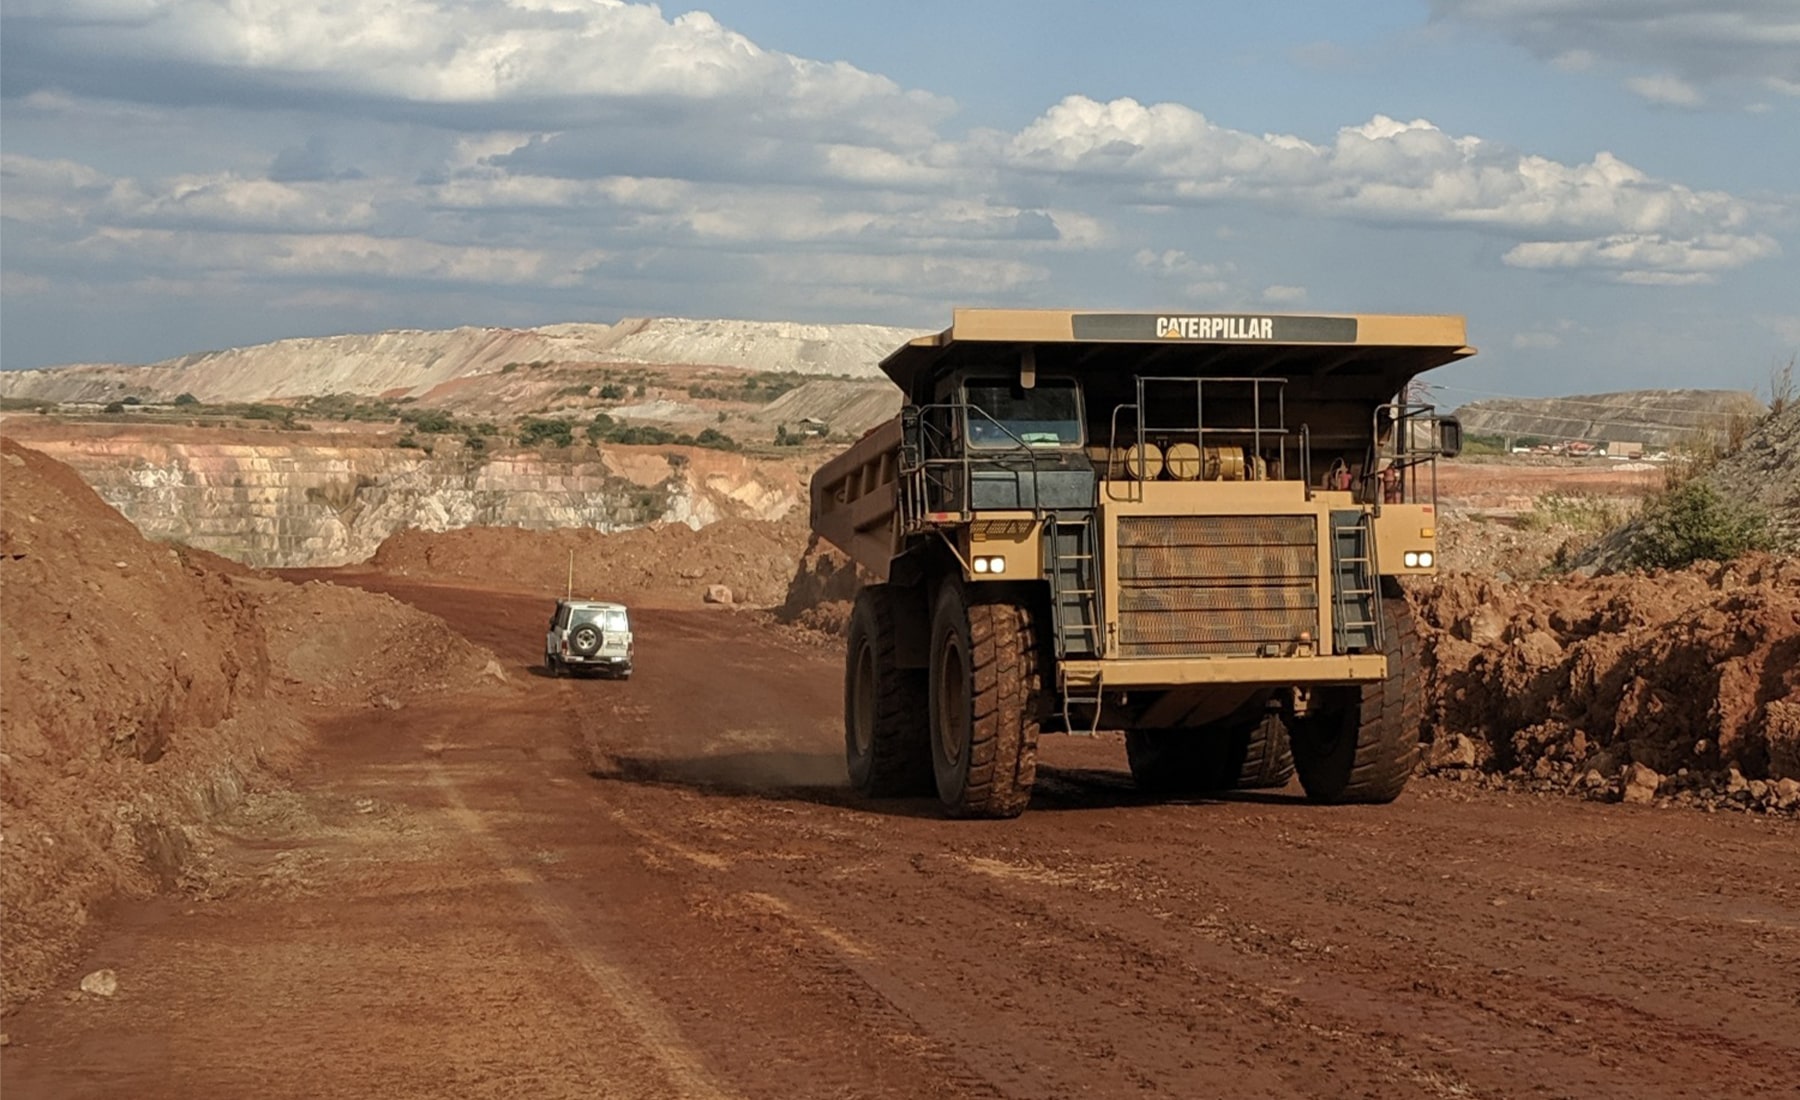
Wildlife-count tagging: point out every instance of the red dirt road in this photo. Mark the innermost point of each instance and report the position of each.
(660, 888)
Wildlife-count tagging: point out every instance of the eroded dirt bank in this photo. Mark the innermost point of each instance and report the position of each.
(659, 888)
(144, 689)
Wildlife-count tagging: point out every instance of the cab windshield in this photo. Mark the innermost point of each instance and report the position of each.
(1047, 415)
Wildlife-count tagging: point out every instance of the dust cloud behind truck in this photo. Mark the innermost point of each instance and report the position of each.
(1189, 527)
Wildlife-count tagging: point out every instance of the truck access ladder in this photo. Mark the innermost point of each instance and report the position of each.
(1356, 595)
(1070, 566)
(1074, 594)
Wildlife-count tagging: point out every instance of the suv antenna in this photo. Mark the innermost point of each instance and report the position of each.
(571, 592)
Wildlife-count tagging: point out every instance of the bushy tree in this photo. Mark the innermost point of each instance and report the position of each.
(1691, 523)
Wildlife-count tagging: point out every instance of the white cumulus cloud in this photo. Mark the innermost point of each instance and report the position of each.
(1399, 172)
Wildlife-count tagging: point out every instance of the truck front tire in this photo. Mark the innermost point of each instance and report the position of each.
(886, 728)
(987, 696)
(1360, 744)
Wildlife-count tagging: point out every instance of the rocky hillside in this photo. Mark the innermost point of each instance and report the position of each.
(1764, 473)
(1656, 418)
(315, 498)
(419, 364)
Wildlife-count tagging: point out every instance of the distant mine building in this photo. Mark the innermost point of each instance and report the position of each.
(1616, 448)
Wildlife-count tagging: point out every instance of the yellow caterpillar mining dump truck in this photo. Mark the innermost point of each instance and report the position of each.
(1190, 527)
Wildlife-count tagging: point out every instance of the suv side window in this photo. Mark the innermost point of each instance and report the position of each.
(559, 618)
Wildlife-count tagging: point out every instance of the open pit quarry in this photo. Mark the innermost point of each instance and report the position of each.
(289, 807)
(283, 499)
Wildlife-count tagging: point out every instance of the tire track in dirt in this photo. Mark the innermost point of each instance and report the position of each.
(906, 1017)
(634, 1004)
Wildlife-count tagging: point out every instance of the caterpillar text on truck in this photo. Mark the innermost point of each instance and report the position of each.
(1191, 527)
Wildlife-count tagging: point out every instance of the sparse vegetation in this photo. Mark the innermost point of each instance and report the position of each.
(26, 404)
(343, 406)
(114, 408)
(1582, 512)
(1781, 387)
(604, 429)
(184, 399)
(758, 389)
(436, 421)
(1691, 522)
(534, 430)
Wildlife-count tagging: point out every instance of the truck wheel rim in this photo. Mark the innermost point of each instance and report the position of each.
(863, 722)
(952, 700)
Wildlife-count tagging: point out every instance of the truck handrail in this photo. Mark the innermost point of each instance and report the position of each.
(960, 462)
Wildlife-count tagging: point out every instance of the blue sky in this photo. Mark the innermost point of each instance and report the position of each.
(1606, 189)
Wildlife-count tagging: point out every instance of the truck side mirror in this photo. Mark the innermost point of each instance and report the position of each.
(1449, 437)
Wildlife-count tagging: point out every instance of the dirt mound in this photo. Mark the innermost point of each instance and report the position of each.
(142, 689)
(1697, 669)
(666, 563)
(822, 590)
(134, 693)
(338, 646)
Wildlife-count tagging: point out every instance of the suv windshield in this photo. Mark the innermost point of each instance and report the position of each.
(1047, 415)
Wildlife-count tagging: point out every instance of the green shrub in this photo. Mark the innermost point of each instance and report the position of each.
(534, 430)
(430, 420)
(114, 407)
(1692, 522)
(186, 399)
(612, 391)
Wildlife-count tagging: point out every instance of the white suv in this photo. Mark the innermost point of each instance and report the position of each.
(589, 634)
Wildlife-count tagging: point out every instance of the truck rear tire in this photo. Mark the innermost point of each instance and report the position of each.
(987, 697)
(1242, 756)
(1360, 744)
(886, 728)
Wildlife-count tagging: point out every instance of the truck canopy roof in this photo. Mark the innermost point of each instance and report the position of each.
(1378, 353)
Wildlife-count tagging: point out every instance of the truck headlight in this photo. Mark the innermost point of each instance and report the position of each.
(989, 563)
(1418, 559)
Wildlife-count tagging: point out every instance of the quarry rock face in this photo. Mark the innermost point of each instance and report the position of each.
(281, 504)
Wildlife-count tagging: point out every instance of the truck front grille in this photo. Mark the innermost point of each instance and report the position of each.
(1217, 586)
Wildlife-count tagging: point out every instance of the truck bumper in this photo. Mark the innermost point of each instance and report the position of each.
(1272, 671)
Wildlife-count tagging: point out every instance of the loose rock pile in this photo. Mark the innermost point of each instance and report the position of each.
(1681, 686)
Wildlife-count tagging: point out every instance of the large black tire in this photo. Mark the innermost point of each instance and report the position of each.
(1244, 755)
(1360, 744)
(987, 698)
(585, 640)
(886, 723)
